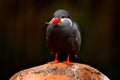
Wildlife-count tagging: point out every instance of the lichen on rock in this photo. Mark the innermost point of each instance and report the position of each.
(60, 71)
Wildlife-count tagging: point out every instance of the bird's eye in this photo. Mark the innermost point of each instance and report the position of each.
(63, 17)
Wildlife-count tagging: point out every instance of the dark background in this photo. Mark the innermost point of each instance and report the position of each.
(23, 28)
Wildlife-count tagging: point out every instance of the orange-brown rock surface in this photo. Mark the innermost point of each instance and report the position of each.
(60, 71)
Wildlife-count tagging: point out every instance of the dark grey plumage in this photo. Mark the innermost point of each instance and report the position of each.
(64, 37)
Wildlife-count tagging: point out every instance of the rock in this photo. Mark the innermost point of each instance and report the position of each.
(60, 71)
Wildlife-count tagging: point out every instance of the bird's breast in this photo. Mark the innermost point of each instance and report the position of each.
(59, 32)
(60, 38)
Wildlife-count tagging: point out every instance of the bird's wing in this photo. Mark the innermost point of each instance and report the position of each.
(49, 27)
(77, 36)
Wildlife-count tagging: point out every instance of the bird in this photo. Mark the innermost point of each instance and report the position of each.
(63, 36)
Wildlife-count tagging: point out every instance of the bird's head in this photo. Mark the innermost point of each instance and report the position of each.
(60, 16)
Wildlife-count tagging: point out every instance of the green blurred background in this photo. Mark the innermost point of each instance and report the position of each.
(23, 29)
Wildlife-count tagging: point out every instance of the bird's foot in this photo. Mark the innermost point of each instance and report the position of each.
(68, 63)
(53, 62)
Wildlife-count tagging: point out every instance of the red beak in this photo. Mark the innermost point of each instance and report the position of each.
(55, 21)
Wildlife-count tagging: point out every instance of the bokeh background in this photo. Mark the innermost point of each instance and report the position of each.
(23, 29)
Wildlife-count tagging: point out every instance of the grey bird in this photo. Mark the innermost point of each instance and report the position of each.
(63, 36)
